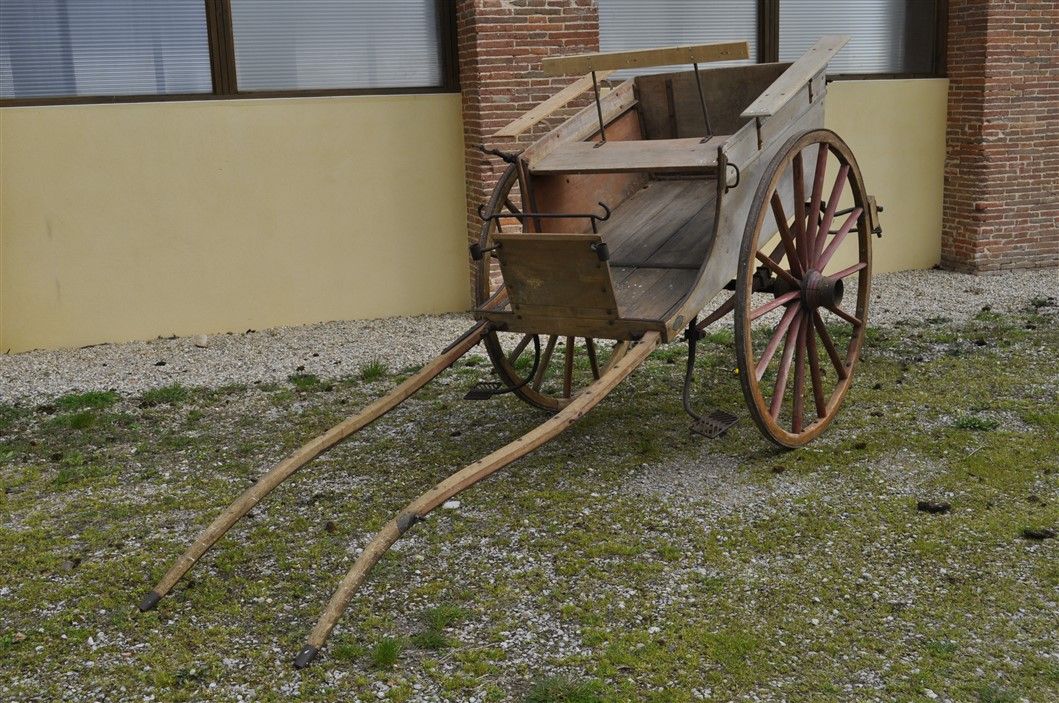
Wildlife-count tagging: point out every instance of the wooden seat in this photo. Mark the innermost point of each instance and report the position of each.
(648, 155)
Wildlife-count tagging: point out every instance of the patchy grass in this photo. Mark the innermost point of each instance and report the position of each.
(166, 395)
(372, 371)
(384, 654)
(628, 560)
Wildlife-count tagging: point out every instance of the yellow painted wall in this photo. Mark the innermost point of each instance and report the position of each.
(130, 221)
(896, 129)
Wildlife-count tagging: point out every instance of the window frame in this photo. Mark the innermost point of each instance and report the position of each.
(221, 42)
(769, 44)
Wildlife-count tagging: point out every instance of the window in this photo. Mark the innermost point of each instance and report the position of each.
(282, 45)
(93, 50)
(889, 37)
(122, 47)
(634, 24)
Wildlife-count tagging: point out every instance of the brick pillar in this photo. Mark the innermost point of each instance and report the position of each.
(501, 44)
(1002, 167)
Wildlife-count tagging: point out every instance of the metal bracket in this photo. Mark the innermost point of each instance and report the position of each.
(503, 155)
(715, 424)
(738, 176)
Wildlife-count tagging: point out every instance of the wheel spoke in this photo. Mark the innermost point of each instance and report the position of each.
(855, 321)
(784, 369)
(546, 359)
(568, 368)
(844, 273)
(818, 188)
(799, 381)
(778, 270)
(829, 345)
(590, 346)
(785, 234)
(814, 373)
(799, 211)
(773, 304)
(832, 208)
(519, 348)
(789, 317)
(840, 236)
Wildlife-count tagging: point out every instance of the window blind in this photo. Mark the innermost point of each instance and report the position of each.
(321, 44)
(103, 47)
(635, 24)
(888, 36)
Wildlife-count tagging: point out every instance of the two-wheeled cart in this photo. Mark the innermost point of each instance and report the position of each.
(609, 235)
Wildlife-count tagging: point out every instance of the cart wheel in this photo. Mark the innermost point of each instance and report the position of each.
(567, 364)
(797, 266)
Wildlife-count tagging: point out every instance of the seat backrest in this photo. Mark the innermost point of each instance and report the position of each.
(555, 280)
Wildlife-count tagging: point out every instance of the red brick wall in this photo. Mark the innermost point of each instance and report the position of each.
(501, 44)
(1002, 167)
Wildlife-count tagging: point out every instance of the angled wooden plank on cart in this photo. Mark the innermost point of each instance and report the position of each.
(800, 73)
(547, 108)
(645, 58)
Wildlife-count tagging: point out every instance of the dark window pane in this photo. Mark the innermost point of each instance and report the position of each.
(320, 44)
(54, 48)
(889, 36)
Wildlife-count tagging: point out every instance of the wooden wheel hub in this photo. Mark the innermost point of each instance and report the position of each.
(820, 291)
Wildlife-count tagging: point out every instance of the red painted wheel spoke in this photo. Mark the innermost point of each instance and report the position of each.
(773, 304)
(818, 188)
(799, 381)
(832, 208)
(839, 238)
(793, 312)
(855, 321)
(799, 212)
(814, 373)
(778, 270)
(844, 273)
(785, 368)
(785, 234)
(829, 345)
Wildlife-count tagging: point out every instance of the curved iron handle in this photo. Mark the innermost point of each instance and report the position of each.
(509, 158)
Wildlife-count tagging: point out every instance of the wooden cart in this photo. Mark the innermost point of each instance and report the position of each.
(610, 234)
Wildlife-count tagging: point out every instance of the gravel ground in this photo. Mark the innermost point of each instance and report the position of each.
(340, 348)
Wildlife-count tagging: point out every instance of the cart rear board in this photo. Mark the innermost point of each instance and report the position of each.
(611, 233)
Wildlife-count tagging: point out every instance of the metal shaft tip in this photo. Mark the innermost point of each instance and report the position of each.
(150, 601)
(305, 656)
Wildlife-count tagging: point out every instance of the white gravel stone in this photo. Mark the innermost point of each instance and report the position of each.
(335, 349)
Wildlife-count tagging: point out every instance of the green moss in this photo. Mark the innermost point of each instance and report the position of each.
(166, 395)
(90, 400)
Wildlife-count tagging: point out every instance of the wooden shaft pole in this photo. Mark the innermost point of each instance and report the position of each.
(462, 480)
(284, 469)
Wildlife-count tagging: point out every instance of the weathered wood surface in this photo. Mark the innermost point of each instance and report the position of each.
(645, 58)
(556, 275)
(796, 77)
(581, 193)
(670, 104)
(644, 156)
(585, 123)
(547, 108)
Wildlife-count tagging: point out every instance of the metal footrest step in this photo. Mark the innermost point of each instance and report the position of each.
(715, 424)
(485, 390)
